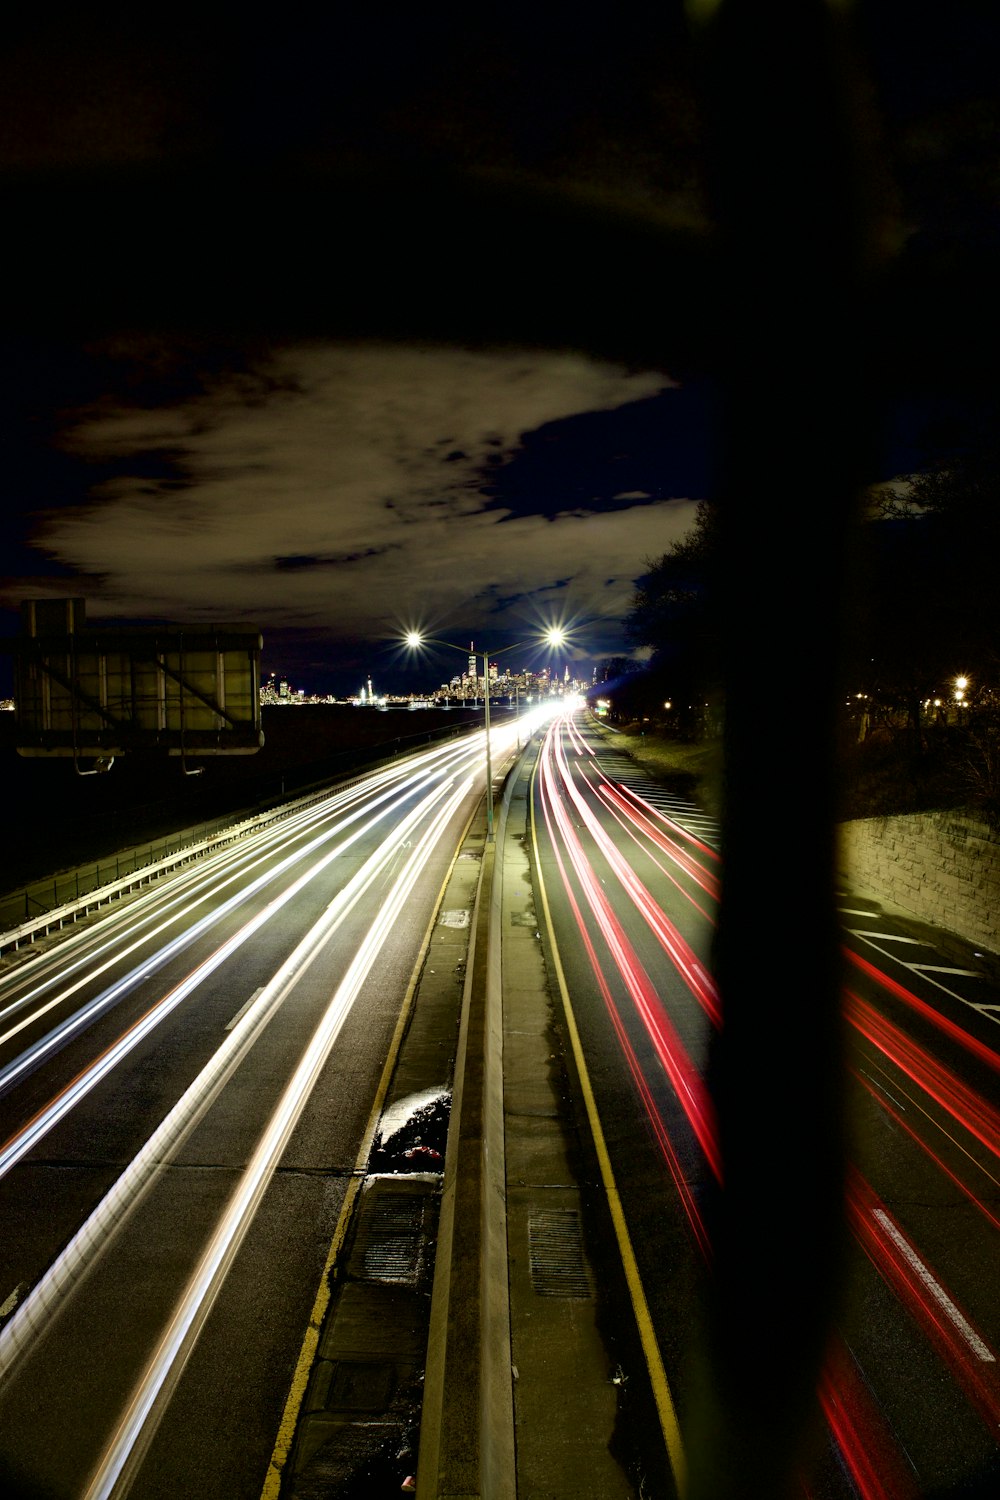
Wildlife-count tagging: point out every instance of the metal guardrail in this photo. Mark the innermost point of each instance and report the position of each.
(50, 904)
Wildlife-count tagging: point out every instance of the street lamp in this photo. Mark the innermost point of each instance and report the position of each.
(553, 637)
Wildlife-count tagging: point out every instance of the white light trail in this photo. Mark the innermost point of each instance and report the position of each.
(35, 1315)
(47, 1118)
(32, 1056)
(206, 882)
(123, 1457)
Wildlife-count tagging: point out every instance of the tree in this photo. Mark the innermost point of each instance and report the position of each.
(674, 612)
(616, 667)
(922, 605)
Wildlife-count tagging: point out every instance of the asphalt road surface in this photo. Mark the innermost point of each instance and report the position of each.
(907, 1402)
(184, 1086)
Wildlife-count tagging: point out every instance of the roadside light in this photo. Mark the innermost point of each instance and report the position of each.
(554, 636)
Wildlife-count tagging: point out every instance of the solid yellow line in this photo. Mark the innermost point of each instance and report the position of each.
(310, 1342)
(666, 1410)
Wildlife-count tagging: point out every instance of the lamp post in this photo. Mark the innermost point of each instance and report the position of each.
(553, 637)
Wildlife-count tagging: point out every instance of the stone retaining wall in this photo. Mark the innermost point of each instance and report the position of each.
(944, 867)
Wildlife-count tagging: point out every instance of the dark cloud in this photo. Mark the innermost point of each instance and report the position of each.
(191, 459)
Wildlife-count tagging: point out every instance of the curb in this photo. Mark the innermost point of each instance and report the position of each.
(467, 1425)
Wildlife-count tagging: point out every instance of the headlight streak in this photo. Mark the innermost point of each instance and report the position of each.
(169, 890)
(25, 1139)
(686, 1081)
(34, 1055)
(156, 903)
(205, 880)
(68, 1270)
(248, 849)
(124, 1455)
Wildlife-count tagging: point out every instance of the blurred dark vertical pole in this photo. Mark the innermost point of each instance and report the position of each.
(777, 101)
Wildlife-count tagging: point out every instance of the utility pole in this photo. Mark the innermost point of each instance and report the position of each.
(489, 761)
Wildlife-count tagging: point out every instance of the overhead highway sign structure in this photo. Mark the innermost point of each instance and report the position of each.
(95, 693)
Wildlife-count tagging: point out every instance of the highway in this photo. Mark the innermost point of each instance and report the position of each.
(908, 1398)
(186, 1082)
(188, 1087)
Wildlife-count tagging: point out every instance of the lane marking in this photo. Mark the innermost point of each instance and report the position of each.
(128, 1448)
(925, 970)
(310, 1343)
(666, 1410)
(882, 1088)
(943, 969)
(937, 1291)
(888, 937)
(244, 1008)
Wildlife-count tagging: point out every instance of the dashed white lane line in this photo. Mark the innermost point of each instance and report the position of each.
(937, 1291)
(943, 969)
(877, 940)
(889, 937)
(244, 1008)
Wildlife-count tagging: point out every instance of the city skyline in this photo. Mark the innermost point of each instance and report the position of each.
(507, 681)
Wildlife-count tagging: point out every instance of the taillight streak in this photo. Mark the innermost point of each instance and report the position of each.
(971, 1044)
(867, 1447)
(705, 878)
(659, 1128)
(878, 1095)
(945, 1325)
(680, 953)
(682, 1073)
(967, 1108)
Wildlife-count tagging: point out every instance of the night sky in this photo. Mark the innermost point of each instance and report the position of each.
(335, 491)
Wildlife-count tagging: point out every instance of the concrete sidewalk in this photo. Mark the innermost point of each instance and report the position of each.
(565, 1391)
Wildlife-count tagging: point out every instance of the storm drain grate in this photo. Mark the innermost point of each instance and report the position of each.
(555, 1255)
(392, 1251)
